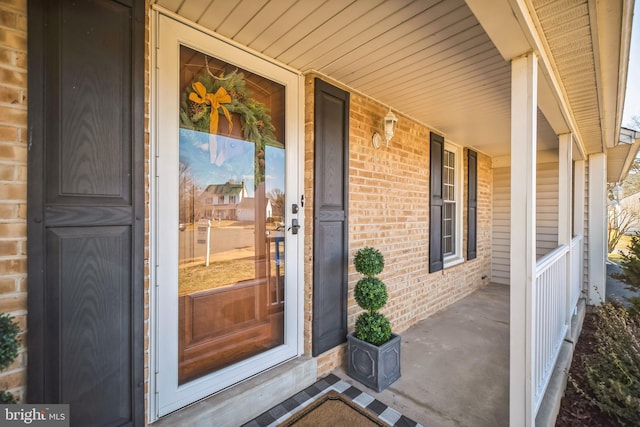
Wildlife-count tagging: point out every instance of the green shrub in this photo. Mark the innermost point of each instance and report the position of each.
(9, 345)
(369, 261)
(634, 308)
(373, 328)
(613, 371)
(9, 331)
(7, 398)
(371, 293)
(630, 264)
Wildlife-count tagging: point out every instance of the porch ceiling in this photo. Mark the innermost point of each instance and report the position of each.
(428, 59)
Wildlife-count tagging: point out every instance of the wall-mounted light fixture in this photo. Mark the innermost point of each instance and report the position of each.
(389, 124)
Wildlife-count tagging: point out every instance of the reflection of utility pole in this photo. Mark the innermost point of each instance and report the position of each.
(193, 218)
(260, 231)
(204, 237)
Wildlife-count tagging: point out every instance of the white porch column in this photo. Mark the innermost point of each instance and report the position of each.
(565, 159)
(524, 80)
(579, 186)
(579, 181)
(597, 228)
(564, 189)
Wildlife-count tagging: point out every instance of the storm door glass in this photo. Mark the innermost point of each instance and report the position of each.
(231, 219)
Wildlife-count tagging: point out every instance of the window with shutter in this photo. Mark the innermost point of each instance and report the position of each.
(436, 254)
(445, 239)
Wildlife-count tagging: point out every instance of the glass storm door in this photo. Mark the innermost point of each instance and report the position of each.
(226, 137)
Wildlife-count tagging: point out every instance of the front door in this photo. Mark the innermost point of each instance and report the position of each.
(226, 198)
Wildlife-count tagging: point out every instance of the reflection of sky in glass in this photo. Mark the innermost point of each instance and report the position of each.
(274, 169)
(217, 159)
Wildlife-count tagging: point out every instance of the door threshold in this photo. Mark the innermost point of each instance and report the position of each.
(246, 400)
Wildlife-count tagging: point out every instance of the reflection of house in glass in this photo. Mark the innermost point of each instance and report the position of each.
(220, 201)
(229, 201)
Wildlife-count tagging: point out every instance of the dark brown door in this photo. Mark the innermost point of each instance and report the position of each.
(330, 233)
(86, 209)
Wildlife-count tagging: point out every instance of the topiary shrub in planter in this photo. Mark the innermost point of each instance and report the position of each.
(9, 344)
(373, 350)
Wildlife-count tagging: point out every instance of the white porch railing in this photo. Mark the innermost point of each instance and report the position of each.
(549, 319)
(556, 291)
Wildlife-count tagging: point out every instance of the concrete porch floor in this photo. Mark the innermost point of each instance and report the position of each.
(455, 365)
(455, 372)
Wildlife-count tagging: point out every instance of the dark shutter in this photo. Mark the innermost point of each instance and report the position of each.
(436, 262)
(85, 219)
(330, 232)
(472, 204)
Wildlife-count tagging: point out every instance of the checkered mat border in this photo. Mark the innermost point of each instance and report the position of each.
(295, 403)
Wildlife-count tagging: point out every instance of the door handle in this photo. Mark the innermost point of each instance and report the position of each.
(294, 226)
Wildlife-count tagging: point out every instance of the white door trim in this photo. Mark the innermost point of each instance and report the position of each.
(166, 31)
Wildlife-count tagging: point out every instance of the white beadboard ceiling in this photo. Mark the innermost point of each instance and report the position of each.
(428, 59)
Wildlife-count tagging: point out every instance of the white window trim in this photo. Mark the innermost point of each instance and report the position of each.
(457, 257)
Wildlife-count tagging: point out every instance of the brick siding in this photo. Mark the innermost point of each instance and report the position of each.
(389, 209)
(13, 180)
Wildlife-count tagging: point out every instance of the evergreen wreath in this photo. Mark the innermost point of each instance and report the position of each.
(208, 95)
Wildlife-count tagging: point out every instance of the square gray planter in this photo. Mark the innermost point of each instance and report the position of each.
(377, 367)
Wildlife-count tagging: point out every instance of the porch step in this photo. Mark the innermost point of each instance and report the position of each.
(243, 402)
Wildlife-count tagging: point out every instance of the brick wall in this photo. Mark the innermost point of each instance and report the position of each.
(388, 206)
(13, 179)
(389, 209)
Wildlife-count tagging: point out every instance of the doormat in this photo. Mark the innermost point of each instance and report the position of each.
(289, 408)
(331, 410)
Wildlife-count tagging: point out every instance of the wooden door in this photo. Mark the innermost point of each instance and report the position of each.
(228, 270)
(86, 209)
(330, 232)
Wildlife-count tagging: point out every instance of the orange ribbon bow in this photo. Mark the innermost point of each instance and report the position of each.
(201, 96)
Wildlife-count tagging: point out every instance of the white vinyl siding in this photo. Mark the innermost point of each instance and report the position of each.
(501, 225)
(546, 208)
(546, 217)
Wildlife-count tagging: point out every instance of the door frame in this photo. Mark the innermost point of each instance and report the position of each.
(255, 62)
